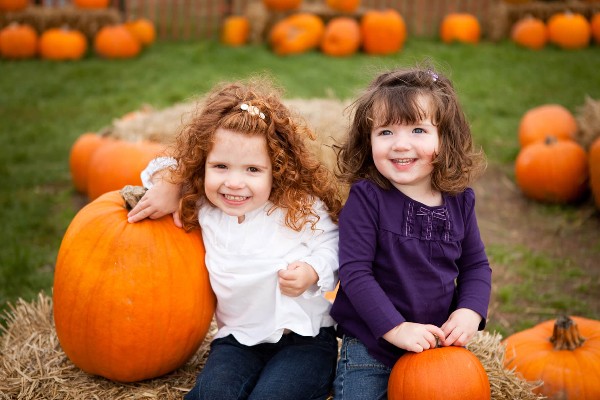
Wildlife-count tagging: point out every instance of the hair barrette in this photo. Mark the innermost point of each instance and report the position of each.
(252, 110)
(434, 76)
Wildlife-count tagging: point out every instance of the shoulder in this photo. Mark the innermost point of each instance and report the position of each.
(462, 204)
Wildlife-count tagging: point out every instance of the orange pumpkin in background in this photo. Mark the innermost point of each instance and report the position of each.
(143, 30)
(282, 5)
(553, 171)
(296, 34)
(235, 30)
(345, 6)
(115, 41)
(460, 27)
(18, 41)
(546, 120)
(594, 164)
(530, 32)
(564, 354)
(91, 3)
(569, 30)
(13, 5)
(595, 26)
(79, 158)
(341, 38)
(118, 163)
(131, 301)
(442, 373)
(382, 32)
(61, 44)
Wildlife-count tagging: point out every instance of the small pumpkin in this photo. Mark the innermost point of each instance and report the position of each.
(13, 5)
(235, 31)
(595, 27)
(345, 6)
(460, 27)
(569, 30)
(382, 32)
(282, 5)
(530, 32)
(79, 158)
(341, 37)
(564, 354)
(62, 44)
(546, 120)
(442, 373)
(131, 301)
(143, 30)
(296, 34)
(553, 171)
(18, 41)
(91, 3)
(594, 164)
(118, 163)
(115, 41)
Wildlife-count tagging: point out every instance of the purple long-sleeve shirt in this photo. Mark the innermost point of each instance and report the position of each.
(401, 260)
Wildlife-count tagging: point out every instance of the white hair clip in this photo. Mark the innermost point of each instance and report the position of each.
(434, 76)
(252, 110)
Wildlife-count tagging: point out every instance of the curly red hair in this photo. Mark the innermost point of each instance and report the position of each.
(299, 178)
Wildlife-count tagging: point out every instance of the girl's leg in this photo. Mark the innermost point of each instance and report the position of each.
(359, 376)
(302, 369)
(230, 373)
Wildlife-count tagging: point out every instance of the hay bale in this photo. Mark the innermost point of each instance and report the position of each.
(588, 122)
(33, 366)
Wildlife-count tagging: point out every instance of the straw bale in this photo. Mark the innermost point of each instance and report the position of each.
(41, 18)
(588, 122)
(33, 365)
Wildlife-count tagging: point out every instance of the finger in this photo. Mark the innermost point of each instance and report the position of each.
(135, 216)
(177, 219)
(451, 339)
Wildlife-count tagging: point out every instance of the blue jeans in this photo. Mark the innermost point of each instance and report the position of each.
(295, 368)
(359, 376)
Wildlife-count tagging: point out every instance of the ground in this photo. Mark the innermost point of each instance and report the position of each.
(567, 236)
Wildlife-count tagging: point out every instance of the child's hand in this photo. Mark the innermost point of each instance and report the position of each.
(161, 200)
(414, 337)
(298, 277)
(460, 327)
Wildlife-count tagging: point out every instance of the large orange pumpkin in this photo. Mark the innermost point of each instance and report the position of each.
(13, 5)
(442, 373)
(118, 163)
(282, 5)
(62, 44)
(18, 41)
(569, 30)
(460, 27)
(564, 354)
(116, 41)
(131, 301)
(143, 30)
(235, 30)
(79, 158)
(530, 32)
(546, 120)
(552, 171)
(341, 38)
(594, 164)
(297, 33)
(382, 32)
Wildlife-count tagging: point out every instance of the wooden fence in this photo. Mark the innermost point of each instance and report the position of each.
(195, 19)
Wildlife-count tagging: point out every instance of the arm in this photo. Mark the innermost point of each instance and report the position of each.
(162, 197)
(316, 273)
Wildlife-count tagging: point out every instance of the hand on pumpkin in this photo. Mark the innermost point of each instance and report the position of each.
(159, 201)
(414, 337)
(298, 277)
(460, 327)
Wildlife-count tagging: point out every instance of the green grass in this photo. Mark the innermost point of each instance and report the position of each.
(45, 106)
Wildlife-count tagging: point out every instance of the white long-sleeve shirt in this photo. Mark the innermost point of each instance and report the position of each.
(243, 260)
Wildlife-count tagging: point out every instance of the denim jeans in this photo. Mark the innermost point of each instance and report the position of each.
(359, 376)
(295, 368)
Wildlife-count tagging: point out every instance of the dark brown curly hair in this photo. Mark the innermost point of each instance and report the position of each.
(393, 97)
(299, 178)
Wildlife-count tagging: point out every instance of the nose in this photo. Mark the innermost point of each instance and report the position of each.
(401, 142)
(234, 181)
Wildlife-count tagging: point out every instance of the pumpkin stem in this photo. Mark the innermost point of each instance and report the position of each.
(550, 139)
(132, 195)
(566, 334)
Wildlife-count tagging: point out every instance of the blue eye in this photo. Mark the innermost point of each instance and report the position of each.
(419, 130)
(386, 132)
(253, 169)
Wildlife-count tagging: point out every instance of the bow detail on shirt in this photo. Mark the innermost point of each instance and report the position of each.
(439, 214)
(429, 215)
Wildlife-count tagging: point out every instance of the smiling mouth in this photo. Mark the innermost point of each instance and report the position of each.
(403, 161)
(235, 198)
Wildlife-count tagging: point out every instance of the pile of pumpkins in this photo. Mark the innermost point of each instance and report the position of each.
(551, 165)
(377, 32)
(124, 40)
(565, 30)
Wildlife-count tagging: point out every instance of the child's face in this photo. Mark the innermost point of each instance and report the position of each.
(239, 174)
(403, 154)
